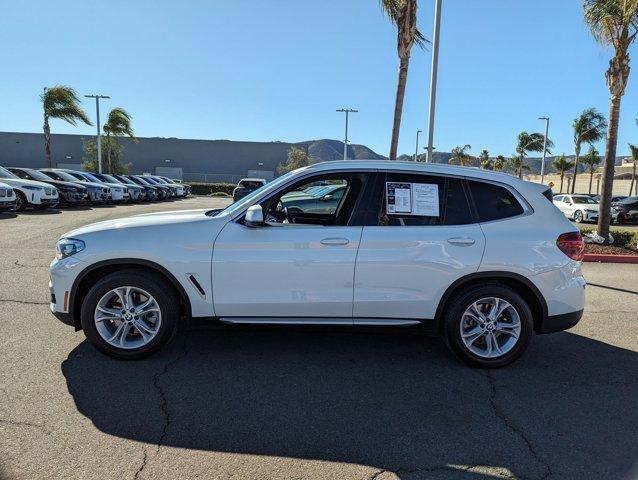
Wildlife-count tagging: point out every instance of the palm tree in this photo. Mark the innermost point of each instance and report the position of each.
(60, 102)
(461, 156)
(591, 161)
(529, 142)
(588, 127)
(517, 163)
(634, 156)
(562, 165)
(613, 23)
(499, 162)
(402, 14)
(485, 161)
(117, 123)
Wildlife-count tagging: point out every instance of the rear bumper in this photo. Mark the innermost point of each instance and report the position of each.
(557, 323)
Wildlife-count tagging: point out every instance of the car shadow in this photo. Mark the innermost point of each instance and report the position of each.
(398, 402)
(7, 215)
(48, 211)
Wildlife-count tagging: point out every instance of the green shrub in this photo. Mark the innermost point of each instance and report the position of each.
(208, 188)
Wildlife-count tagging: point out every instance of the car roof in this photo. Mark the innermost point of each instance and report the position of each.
(420, 167)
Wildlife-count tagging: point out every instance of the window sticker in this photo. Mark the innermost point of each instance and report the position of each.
(420, 199)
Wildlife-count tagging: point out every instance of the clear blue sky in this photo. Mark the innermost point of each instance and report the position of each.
(277, 69)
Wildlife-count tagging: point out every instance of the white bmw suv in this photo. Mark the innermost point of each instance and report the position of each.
(482, 258)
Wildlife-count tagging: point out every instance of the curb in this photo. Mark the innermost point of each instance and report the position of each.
(603, 258)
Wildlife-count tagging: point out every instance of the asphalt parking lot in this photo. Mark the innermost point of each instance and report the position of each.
(326, 404)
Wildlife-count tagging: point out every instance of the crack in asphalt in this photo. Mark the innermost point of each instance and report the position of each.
(25, 302)
(17, 263)
(163, 405)
(518, 431)
(438, 468)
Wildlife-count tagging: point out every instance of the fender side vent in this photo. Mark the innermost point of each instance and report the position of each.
(197, 285)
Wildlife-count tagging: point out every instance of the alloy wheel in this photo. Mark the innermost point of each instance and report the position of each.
(490, 327)
(127, 317)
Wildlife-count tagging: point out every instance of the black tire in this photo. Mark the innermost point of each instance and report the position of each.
(454, 315)
(157, 286)
(21, 202)
(578, 216)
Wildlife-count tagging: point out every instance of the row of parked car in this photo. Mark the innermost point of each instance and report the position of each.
(586, 208)
(43, 188)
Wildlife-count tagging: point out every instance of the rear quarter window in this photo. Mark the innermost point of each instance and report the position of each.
(494, 202)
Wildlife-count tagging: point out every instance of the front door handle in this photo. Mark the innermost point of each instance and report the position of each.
(334, 242)
(461, 241)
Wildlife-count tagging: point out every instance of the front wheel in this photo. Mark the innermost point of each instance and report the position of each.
(21, 202)
(488, 326)
(130, 314)
(578, 216)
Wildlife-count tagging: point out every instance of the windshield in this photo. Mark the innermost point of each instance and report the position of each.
(585, 200)
(37, 175)
(4, 173)
(142, 181)
(90, 177)
(66, 176)
(110, 178)
(248, 199)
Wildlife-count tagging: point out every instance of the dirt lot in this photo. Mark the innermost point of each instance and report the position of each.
(326, 404)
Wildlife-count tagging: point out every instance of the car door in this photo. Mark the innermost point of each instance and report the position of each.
(298, 267)
(568, 206)
(420, 237)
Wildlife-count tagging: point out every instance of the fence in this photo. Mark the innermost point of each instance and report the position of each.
(621, 186)
(211, 177)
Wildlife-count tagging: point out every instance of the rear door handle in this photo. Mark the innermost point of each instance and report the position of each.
(334, 242)
(461, 241)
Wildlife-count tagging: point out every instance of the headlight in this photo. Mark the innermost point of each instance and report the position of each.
(31, 187)
(68, 246)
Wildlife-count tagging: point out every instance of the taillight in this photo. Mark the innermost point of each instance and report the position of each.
(572, 245)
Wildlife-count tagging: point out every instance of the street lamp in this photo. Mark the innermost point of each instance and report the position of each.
(416, 150)
(435, 64)
(544, 147)
(99, 140)
(345, 141)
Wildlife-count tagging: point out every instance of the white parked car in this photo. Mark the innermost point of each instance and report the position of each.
(580, 208)
(482, 258)
(7, 198)
(30, 193)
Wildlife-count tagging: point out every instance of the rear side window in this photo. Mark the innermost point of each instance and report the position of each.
(453, 205)
(250, 184)
(494, 202)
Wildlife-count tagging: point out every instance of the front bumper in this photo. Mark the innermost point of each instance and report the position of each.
(75, 197)
(590, 216)
(7, 204)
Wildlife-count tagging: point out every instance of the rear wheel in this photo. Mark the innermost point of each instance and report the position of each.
(488, 326)
(130, 314)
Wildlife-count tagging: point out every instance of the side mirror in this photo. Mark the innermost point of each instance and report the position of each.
(255, 216)
(327, 198)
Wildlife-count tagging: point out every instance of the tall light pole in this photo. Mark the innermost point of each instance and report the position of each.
(544, 147)
(345, 141)
(99, 138)
(416, 150)
(435, 65)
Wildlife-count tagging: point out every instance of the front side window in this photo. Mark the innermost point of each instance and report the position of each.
(417, 200)
(494, 202)
(323, 200)
(587, 200)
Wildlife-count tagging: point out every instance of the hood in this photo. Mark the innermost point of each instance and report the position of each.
(92, 184)
(16, 182)
(64, 184)
(147, 220)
